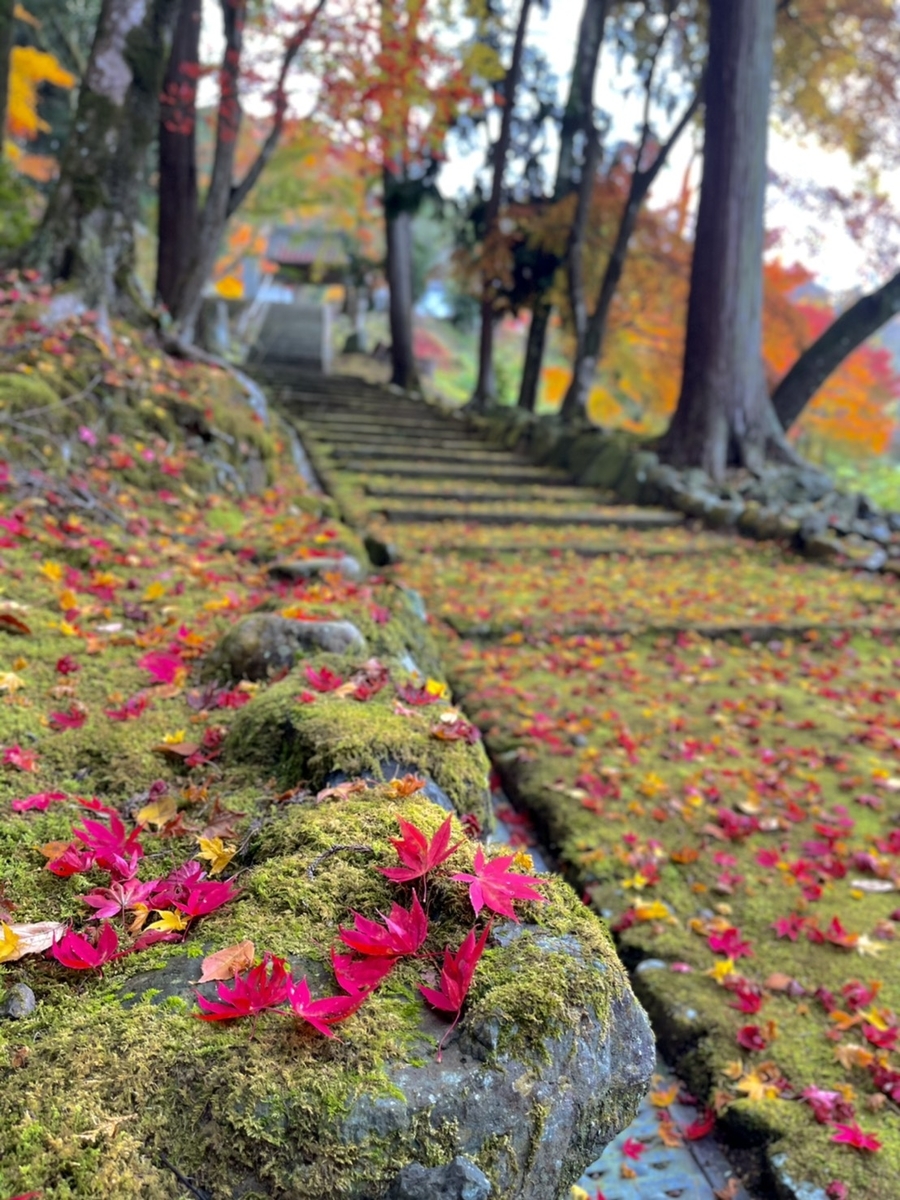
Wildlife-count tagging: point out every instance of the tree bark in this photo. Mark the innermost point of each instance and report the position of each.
(7, 38)
(188, 294)
(589, 339)
(724, 413)
(398, 227)
(178, 189)
(829, 350)
(88, 231)
(578, 115)
(485, 387)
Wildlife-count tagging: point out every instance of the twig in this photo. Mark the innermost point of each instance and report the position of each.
(317, 862)
(197, 1192)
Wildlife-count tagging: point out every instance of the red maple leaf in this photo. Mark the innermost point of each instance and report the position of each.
(751, 1037)
(701, 1127)
(419, 696)
(113, 849)
(77, 953)
(851, 1135)
(130, 710)
(789, 927)
(494, 886)
(456, 975)
(633, 1149)
(266, 985)
(22, 760)
(322, 1013)
(403, 932)
(729, 943)
(67, 665)
(418, 853)
(73, 719)
(163, 667)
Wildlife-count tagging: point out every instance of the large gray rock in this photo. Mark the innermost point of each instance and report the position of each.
(459, 1180)
(263, 644)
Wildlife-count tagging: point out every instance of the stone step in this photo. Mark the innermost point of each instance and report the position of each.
(598, 518)
(736, 632)
(437, 438)
(395, 452)
(500, 494)
(500, 473)
(383, 425)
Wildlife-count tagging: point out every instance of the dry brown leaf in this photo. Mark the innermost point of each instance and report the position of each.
(228, 962)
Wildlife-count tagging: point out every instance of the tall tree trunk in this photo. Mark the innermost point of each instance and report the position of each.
(178, 195)
(589, 339)
(829, 350)
(485, 389)
(88, 231)
(724, 413)
(577, 118)
(398, 226)
(7, 38)
(188, 293)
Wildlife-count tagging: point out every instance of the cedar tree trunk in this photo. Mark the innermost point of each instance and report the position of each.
(7, 38)
(828, 351)
(578, 118)
(178, 196)
(88, 231)
(724, 413)
(485, 389)
(398, 228)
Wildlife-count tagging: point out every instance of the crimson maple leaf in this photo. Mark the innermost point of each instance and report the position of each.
(74, 718)
(323, 680)
(418, 853)
(322, 1013)
(77, 953)
(266, 985)
(403, 932)
(40, 800)
(361, 974)
(113, 849)
(456, 975)
(493, 885)
(205, 896)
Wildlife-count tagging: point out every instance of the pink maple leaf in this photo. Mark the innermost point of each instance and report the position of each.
(417, 853)
(111, 901)
(494, 886)
(361, 974)
(205, 896)
(163, 667)
(77, 953)
(39, 800)
(323, 679)
(22, 760)
(74, 718)
(267, 985)
(322, 1013)
(851, 1135)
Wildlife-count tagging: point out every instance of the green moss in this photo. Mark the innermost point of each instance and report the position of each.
(305, 743)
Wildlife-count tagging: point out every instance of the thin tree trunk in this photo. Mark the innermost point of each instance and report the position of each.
(398, 225)
(575, 256)
(578, 117)
(7, 38)
(188, 296)
(178, 191)
(485, 388)
(589, 343)
(829, 350)
(724, 412)
(88, 231)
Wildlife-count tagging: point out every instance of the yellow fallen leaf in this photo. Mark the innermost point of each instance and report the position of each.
(170, 920)
(158, 812)
(10, 681)
(51, 570)
(663, 1097)
(9, 943)
(654, 911)
(721, 970)
(33, 939)
(578, 1193)
(217, 854)
(173, 739)
(67, 599)
(154, 590)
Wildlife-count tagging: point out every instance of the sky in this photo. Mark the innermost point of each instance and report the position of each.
(824, 248)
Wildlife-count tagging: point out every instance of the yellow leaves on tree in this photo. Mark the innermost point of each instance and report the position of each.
(29, 68)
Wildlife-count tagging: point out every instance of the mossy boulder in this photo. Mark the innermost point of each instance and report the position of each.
(296, 570)
(123, 1086)
(263, 644)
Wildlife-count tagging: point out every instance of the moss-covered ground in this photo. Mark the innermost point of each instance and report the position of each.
(140, 505)
(729, 804)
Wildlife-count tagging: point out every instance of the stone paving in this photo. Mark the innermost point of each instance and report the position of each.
(420, 476)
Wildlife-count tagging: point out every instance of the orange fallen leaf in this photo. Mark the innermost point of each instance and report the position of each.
(663, 1097)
